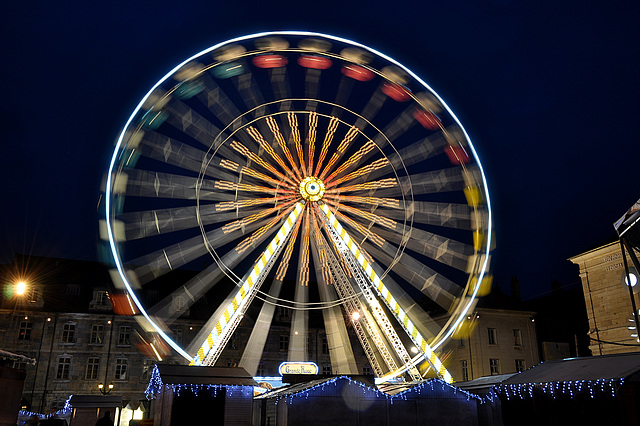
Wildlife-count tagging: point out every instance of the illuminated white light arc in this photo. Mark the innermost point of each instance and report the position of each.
(119, 143)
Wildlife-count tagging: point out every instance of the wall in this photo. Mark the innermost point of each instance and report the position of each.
(607, 298)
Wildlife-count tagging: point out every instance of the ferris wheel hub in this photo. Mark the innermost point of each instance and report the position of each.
(311, 188)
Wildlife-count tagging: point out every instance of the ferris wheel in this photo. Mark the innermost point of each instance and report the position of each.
(316, 175)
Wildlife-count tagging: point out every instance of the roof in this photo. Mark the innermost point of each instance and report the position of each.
(483, 382)
(15, 357)
(184, 374)
(618, 366)
(94, 401)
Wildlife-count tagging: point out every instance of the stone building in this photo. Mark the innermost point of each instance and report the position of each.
(607, 298)
(496, 341)
(66, 322)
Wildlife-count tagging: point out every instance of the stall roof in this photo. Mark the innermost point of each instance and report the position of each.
(483, 382)
(618, 366)
(179, 374)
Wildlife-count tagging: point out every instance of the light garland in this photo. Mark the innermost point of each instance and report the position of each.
(156, 386)
(428, 386)
(570, 388)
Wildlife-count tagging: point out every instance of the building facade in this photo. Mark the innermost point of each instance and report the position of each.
(608, 300)
(495, 341)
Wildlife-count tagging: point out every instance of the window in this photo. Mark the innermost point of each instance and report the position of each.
(124, 337)
(68, 333)
(147, 369)
(102, 298)
(283, 313)
(121, 368)
(284, 342)
(367, 371)
(73, 290)
(465, 370)
(153, 296)
(520, 367)
(97, 334)
(326, 369)
(177, 336)
(325, 346)
(517, 338)
(93, 364)
(493, 336)
(19, 365)
(261, 370)
(461, 343)
(24, 332)
(64, 363)
(494, 365)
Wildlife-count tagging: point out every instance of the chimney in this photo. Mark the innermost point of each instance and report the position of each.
(515, 289)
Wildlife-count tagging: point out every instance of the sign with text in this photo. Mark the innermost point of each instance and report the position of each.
(298, 368)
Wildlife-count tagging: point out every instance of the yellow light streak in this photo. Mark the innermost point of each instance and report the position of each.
(348, 138)
(377, 164)
(333, 126)
(378, 184)
(255, 134)
(256, 159)
(235, 225)
(232, 205)
(303, 270)
(373, 201)
(366, 148)
(288, 251)
(248, 242)
(273, 126)
(295, 134)
(313, 126)
(231, 186)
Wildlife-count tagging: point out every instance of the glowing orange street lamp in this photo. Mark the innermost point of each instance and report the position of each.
(21, 288)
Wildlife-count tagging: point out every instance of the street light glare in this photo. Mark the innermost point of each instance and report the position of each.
(21, 287)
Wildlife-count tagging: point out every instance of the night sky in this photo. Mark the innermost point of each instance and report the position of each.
(548, 92)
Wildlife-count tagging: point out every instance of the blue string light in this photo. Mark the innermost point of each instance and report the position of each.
(156, 386)
(569, 388)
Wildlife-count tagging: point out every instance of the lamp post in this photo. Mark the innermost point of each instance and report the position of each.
(103, 390)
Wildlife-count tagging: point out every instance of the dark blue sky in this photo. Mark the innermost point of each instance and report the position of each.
(547, 91)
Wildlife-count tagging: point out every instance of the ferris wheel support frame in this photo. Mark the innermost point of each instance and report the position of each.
(215, 342)
(352, 254)
(341, 239)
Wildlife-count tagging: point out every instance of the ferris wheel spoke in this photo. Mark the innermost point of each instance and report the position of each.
(170, 151)
(256, 236)
(328, 138)
(312, 133)
(340, 150)
(444, 250)
(449, 215)
(353, 160)
(273, 126)
(179, 254)
(295, 135)
(365, 215)
(366, 186)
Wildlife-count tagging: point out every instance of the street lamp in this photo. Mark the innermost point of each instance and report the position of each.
(103, 390)
(21, 287)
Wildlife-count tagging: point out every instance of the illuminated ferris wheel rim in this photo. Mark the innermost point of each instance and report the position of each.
(463, 310)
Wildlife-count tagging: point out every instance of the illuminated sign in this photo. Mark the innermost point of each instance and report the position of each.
(298, 368)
